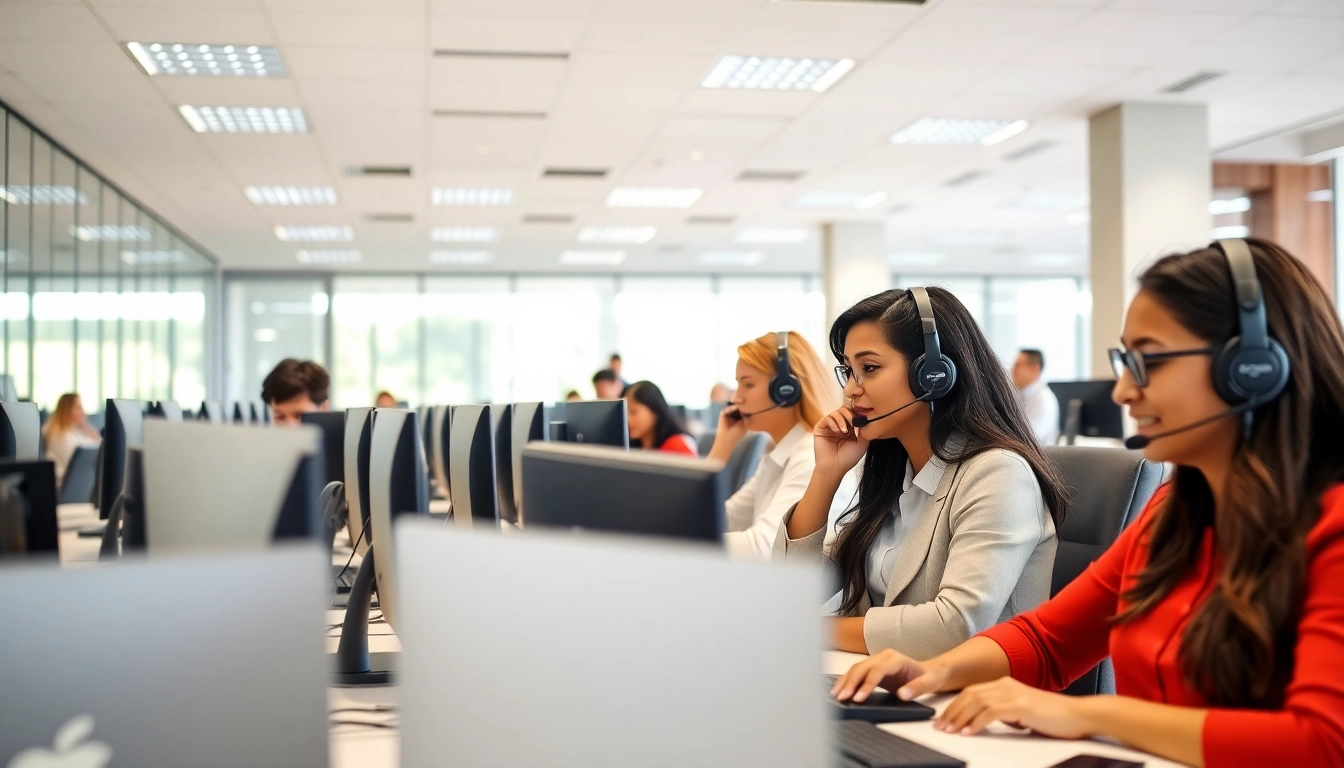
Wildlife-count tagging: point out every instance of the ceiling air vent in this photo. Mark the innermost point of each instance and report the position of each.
(548, 218)
(489, 114)
(574, 173)
(770, 175)
(715, 221)
(1192, 82)
(452, 53)
(389, 218)
(964, 178)
(873, 2)
(383, 171)
(1029, 150)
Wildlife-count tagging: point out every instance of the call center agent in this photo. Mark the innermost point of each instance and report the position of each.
(1221, 606)
(653, 424)
(783, 389)
(954, 529)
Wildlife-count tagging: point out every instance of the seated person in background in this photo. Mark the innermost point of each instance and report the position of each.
(385, 400)
(615, 365)
(608, 385)
(293, 388)
(67, 430)
(756, 511)
(720, 393)
(573, 396)
(653, 424)
(1221, 606)
(1040, 404)
(954, 529)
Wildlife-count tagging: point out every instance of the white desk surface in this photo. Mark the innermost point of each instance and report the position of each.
(365, 747)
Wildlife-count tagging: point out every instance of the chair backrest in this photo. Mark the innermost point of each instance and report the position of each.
(81, 474)
(705, 443)
(1107, 489)
(744, 460)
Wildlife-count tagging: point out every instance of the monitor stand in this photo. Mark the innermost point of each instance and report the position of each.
(354, 664)
(1073, 423)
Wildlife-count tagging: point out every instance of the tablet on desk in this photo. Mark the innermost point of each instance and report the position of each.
(879, 707)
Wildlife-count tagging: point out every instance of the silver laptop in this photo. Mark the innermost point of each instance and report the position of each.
(213, 661)
(550, 649)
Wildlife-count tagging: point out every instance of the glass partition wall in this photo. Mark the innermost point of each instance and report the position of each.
(100, 296)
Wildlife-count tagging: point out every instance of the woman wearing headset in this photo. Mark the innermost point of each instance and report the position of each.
(954, 529)
(782, 390)
(1222, 605)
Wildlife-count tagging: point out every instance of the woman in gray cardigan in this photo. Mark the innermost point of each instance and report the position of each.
(954, 527)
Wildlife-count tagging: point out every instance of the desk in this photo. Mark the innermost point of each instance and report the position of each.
(365, 747)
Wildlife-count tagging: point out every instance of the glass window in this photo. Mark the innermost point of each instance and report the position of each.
(1044, 314)
(663, 326)
(750, 307)
(560, 335)
(467, 340)
(376, 322)
(271, 319)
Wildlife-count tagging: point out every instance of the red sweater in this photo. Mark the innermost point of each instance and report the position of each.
(680, 443)
(1064, 637)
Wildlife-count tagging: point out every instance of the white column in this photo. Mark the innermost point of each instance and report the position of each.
(1151, 182)
(853, 264)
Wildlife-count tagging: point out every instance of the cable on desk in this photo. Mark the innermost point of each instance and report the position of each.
(353, 549)
(367, 724)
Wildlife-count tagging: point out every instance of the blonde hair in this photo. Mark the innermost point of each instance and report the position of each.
(62, 419)
(820, 393)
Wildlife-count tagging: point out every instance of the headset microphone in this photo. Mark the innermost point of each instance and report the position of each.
(863, 421)
(1139, 442)
(739, 415)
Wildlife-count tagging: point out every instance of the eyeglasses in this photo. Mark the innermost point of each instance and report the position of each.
(843, 373)
(1137, 362)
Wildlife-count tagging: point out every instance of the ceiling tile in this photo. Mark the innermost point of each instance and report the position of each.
(620, 98)
(531, 9)
(85, 59)
(823, 43)
(769, 103)
(362, 93)
(48, 21)
(472, 69)
(506, 34)
(183, 25)
(384, 8)
(355, 63)
(500, 97)
(1129, 39)
(980, 34)
(239, 92)
(329, 30)
(95, 90)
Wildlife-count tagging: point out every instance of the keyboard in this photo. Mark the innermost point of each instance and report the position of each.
(880, 707)
(343, 581)
(864, 745)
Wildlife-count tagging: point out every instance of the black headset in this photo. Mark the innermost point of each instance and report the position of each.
(785, 389)
(932, 374)
(1252, 367)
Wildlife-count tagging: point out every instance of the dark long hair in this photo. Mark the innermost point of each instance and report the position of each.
(1238, 648)
(983, 407)
(666, 422)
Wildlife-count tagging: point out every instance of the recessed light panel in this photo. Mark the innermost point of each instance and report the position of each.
(42, 194)
(200, 60)
(859, 201)
(466, 196)
(244, 119)
(291, 195)
(592, 258)
(461, 257)
(110, 233)
(1234, 205)
(774, 73)
(328, 257)
(653, 197)
(939, 130)
(1230, 233)
(731, 258)
(617, 234)
(464, 234)
(314, 234)
(772, 235)
(153, 257)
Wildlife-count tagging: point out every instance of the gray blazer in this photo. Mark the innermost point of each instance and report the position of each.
(982, 552)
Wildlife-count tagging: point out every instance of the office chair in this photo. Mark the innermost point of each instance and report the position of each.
(1107, 489)
(706, 442)
(744, 460)
(81, 474)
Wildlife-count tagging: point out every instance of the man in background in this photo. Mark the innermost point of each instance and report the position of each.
(1040, 404)
(295, 387)
(614, 365)
(608, 385)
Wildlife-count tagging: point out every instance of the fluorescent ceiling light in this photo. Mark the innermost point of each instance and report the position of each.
(776, 73)
(471, 196)
(592, 258)
(42, 194)
(1234, 205)
(916, 258)
(859, 201)
(461, 257)
(772, 235)
(314, 234)
(617, 234)
(731, 258)
(1320, 196)
(244, 119)
(653, 197)
(110, 233)
(191, 59)
(1230, 233)
(940, 130)
(265, 335)
(291, 195)
(153, 257)
(464, 234)
(328, 257)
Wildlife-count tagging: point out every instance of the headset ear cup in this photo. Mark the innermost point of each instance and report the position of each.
(786, 391)
(917, 377)
(1242, 374)
(934, 378)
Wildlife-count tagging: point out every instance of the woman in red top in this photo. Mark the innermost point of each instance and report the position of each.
(653, 423)
(1222, 607)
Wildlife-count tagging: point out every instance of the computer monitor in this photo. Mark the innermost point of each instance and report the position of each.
(358, 436)
(242, 413)
(501, 416)
(1086, 408)
(332, 424)
(20, 431)
(211, 411)
(27, 508)
(165, 409)
(209, 487)
(175, 661)
(437, 431)
(603, 489)
(597, 422)
(531, 422)
(397, 486)
(471, 467)
(124, 427)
